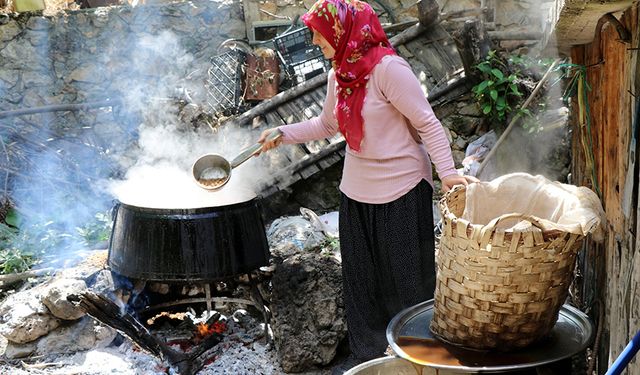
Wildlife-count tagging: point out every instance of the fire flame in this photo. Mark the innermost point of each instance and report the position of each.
(205, 330)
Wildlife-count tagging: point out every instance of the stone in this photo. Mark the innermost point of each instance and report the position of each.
(470, 110)
(85, 74)
(24, 318)
(463, 125)
(54, 296)
(82, 335)
(458, 157)
(33, 79)
(460, 144)
(447, 132)
(9, 78)
(9, 31)
(308, 311)
(15, 350)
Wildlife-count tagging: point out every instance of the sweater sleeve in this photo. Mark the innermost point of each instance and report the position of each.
(402, 89)
(322, 126)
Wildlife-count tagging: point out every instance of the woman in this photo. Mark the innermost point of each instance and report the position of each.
(392, 135)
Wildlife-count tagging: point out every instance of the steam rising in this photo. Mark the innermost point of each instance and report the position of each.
(140, 153)
(160, 174)
(161, 177)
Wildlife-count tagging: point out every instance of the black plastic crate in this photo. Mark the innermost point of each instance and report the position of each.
(300, 57)
(225, 82)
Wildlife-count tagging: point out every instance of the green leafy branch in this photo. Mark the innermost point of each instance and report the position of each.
(23, 247)
(498, 91)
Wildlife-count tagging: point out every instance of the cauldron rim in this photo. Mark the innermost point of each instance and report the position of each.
(186, 211)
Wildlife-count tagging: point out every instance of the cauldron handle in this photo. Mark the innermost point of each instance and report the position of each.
(114, 216)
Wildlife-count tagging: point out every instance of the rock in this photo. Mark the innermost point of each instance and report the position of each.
(24, 318)
(15, 350)
(463, 125)
(459, 144)
(82, 335)
(308, 311)
(9, 31)
(55, 295)
(470, 110)
(458, 157)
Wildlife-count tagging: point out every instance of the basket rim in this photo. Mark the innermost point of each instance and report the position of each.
(449, 217)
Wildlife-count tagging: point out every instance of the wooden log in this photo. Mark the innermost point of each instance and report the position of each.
(474, 12)
(109, 313)
(61, 107)
(428, 12)
(12, 278)
(473, 46)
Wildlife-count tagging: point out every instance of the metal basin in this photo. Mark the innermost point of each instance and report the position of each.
(395, 366)
(409, 336)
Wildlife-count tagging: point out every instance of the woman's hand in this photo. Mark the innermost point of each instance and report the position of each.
(450, 181)
(268, 145)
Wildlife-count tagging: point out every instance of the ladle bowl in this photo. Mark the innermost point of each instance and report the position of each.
(213, 171)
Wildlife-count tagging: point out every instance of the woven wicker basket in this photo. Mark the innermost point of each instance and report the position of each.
(498, 289)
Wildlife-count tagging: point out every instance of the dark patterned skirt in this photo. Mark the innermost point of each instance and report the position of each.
(387, 264)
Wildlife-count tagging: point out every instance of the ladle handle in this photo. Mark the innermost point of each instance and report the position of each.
(252, 150)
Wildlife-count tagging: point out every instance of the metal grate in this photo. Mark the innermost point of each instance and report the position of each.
(224, 82)
(301, 58)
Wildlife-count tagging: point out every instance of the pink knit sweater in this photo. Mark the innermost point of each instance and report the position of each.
(390, 161)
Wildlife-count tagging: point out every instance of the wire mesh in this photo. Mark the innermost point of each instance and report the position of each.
(224, 82)
(301, 58)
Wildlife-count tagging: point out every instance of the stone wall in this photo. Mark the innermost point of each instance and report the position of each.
(112, 52)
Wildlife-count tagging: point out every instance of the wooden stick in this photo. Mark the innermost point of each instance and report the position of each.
(109, 313)
(13, 278)
(60, 107)
(515, 118)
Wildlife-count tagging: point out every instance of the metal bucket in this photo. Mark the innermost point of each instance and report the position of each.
(395, 366)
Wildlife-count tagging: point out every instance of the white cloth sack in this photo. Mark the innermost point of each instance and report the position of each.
(558, 206)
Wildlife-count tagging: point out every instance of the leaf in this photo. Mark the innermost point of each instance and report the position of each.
(481, 86)
(486, 109)
(484, 67)
(497, 73)
(12, 218)
(493, 94)
(501, 103)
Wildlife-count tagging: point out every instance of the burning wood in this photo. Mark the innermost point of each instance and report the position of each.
(187, 363)
(212, 327)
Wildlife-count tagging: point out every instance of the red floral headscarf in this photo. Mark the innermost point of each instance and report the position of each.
(354, 31)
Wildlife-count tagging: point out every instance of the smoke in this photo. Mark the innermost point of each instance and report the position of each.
(162, 178)
(539, 144)
(160, 175)
(140, 154)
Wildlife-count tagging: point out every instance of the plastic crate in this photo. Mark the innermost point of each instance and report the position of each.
(224, 82)
(300, 57)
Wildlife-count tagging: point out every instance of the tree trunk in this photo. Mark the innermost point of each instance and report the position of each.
(473, 45)
(428, 12)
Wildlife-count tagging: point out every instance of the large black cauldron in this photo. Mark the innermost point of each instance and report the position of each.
(198, 244)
